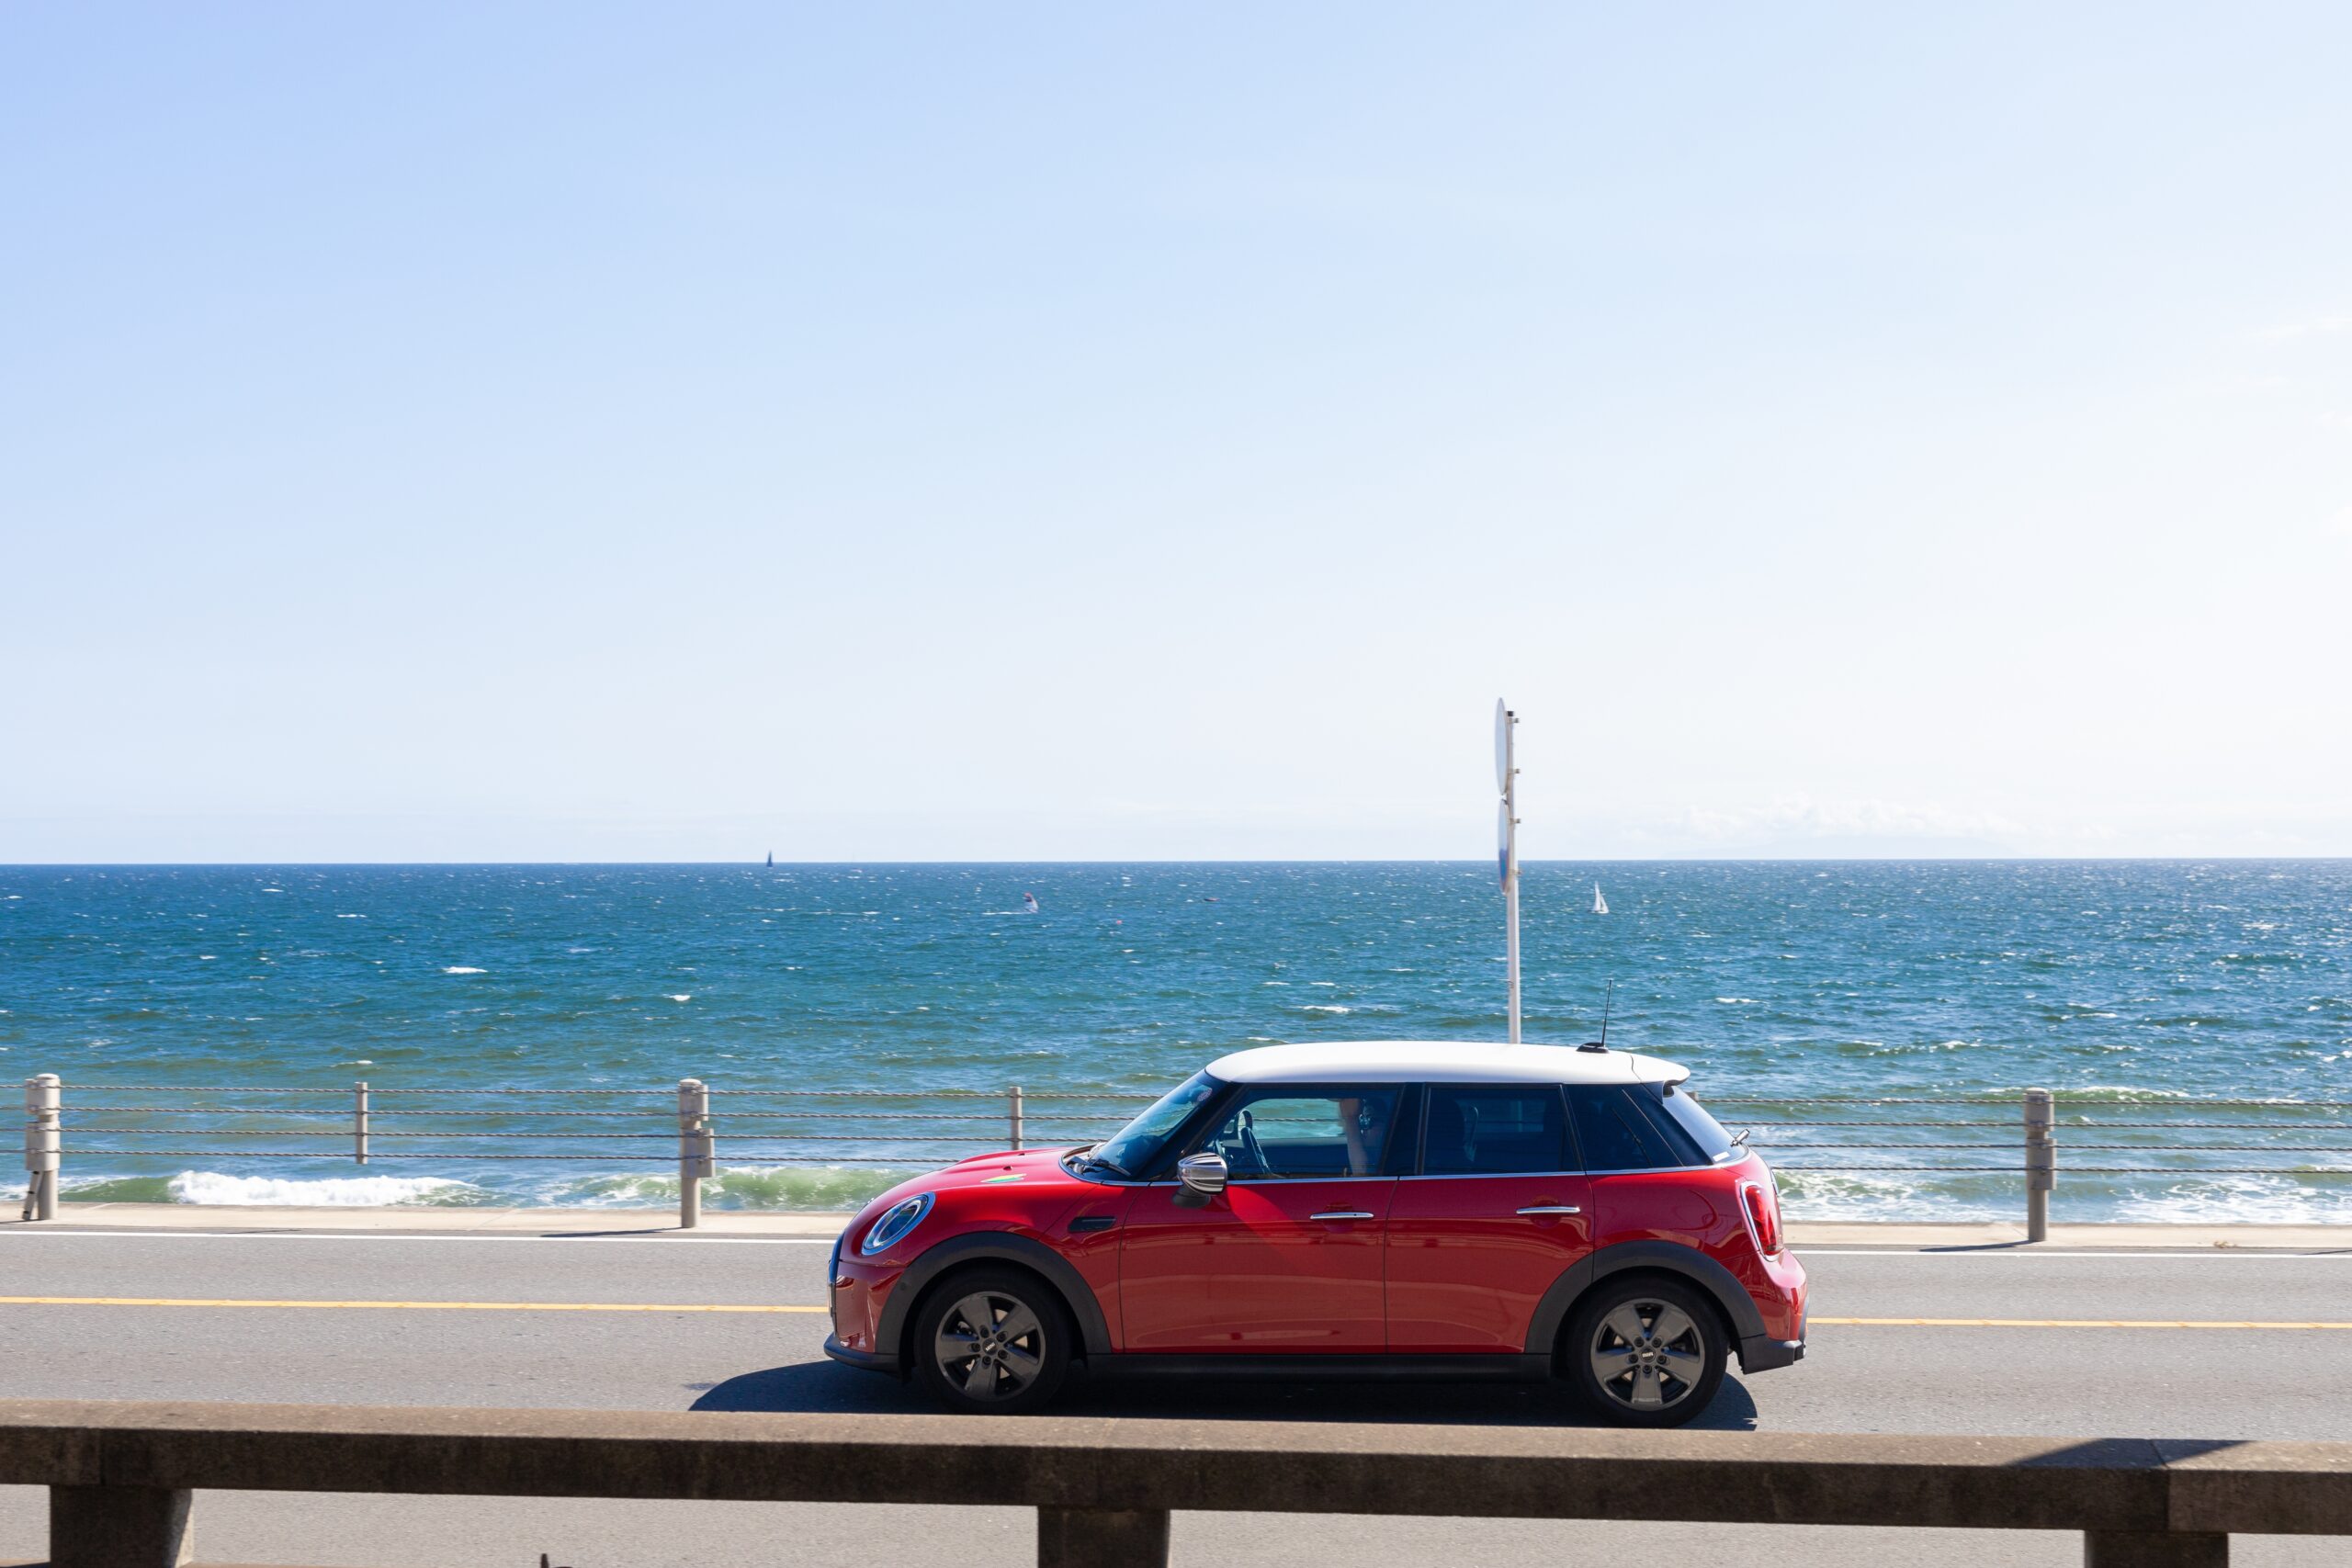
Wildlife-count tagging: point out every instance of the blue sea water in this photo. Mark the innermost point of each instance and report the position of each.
(2113, 983)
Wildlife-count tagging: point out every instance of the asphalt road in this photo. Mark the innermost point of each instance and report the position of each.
(2012, 1365)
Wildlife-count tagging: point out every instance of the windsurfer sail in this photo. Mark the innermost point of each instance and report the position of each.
(1600, 905)
(1028, 903)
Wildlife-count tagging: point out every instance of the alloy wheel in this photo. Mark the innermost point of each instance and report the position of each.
(1648, 1354)
(991, 1345)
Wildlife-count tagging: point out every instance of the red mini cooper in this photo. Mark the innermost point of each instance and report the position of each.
(1512, 1211)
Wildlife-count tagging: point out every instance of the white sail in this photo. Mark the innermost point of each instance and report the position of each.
(1600, 905)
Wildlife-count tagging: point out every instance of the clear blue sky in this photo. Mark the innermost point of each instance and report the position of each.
(589, 432)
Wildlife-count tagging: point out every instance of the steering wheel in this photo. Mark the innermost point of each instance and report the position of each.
(1256, 1150)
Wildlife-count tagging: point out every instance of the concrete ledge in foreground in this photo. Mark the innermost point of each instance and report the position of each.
(1898, 1237)
(2106, 1484)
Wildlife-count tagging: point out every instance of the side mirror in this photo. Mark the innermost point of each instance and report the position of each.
(1200, 1178)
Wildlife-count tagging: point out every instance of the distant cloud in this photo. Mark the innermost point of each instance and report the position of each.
(1801, 819)
(1802, 813)
(2318, 326)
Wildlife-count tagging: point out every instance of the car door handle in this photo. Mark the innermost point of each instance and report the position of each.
(1342, 1214)
(1552, 1209)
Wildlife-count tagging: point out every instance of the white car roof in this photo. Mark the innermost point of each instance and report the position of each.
(1433, 1061)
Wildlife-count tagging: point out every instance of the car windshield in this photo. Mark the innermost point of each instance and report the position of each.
(1133, 1148)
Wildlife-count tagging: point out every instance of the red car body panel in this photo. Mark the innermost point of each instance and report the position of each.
(1467, 1270)
(1255, 1273)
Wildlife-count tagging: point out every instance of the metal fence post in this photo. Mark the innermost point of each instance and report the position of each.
(1014, 1102)
(44, 1144)
(359, 1121)
(697, 1150)
(2040, 1163)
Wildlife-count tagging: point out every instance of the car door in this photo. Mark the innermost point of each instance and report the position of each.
(1496, 1211)
(1287, 1259)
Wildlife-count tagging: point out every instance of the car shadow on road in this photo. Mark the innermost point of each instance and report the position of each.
(825, 1387)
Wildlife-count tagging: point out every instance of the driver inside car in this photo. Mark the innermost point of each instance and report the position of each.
(1364, 1122)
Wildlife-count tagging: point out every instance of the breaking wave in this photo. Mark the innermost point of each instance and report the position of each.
(213, 1186)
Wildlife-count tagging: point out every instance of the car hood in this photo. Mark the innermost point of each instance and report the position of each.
(1028, 1169)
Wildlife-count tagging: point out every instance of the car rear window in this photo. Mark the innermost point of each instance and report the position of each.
(1495, 1130)
(1614, 1134)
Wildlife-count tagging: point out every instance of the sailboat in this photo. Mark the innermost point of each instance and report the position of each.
(771, 860)
(1600, 905)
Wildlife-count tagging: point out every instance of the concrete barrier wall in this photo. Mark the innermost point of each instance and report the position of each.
(1105, 1486)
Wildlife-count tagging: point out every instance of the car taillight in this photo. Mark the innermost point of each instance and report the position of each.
(1763, 1216)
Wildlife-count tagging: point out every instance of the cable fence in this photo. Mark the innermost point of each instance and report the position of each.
(2308, 1141)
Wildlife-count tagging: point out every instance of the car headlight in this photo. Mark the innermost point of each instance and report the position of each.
(894, 1222)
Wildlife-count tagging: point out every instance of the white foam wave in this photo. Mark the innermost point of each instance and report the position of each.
(1324, 1007)
(1878, 1195)
(678, 996)
(2222, 1198)
(462, 969)
(334, 1191)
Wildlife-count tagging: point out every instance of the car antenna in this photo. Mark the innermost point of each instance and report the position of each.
(1607, 997)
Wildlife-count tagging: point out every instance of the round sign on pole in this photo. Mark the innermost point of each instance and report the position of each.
(1503, 856)
(1502, 747)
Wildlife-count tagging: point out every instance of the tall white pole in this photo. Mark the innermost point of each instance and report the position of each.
(1507, 723)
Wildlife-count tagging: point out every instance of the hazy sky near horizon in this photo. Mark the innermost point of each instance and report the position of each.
(586, 432)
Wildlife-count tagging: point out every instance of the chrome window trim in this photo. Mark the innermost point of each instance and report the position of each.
(1493, 1176)
(1538, 1175)
(1286, 1180)
(1280, 1181)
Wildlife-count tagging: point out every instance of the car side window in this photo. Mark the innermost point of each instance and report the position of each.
(1283, 1132)
(1495, 1130)
(1614, 1134)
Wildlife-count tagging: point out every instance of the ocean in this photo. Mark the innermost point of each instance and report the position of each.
(2116, 983)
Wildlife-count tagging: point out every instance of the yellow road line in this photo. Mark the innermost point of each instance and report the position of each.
(2059, 1323)
(410, 1306)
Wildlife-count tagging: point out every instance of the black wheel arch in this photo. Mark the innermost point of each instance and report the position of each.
(992, 1246)
(1686, 1263)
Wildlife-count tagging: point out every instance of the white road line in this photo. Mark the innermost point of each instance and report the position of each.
(398, 1235)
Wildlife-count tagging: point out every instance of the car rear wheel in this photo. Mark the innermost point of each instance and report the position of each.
(992, 1341)
(1646, 1353)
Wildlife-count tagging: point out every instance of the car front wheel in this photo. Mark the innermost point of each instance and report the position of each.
(993, 1342)
(1647, 1353)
